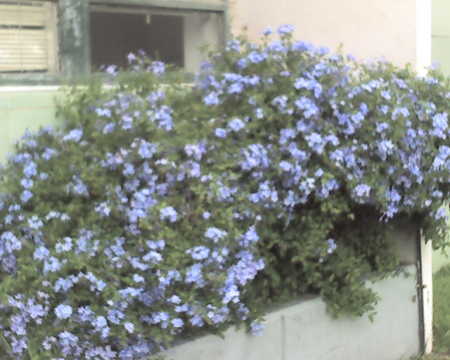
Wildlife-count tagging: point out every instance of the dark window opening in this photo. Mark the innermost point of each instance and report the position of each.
(115, 35)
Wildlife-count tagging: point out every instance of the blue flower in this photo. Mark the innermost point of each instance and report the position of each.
(256, 57)
(130, 292)
(103, 209)
(267, 31)
(174, 299)
(129, 327)
(316, 142)
(49, 153)
(286, 135)
(103, 112)
(152, 256)
(236, 124)
(177, 323)
(63, 311)
(259, 113)
(146, 149)
(168, 213)
(163, 117)
(285, 29)
(278, 47)
(441, 213)
(197, 321)
(127, 122)
(158, 68)
(235, 88)
(211, 99)
(385, 94)
(115, 316)
(256, 328)
(442, 158)
(310, 84)
(440, 126)
(400, 111)
(131, 58)
(52, 264)
(100, 322)
(74, 135)
(331, 243)
(220, 133)
(111, 70)
(233, 45)
(255, 156)
(280, 102)
(385, 148)
(199, 252)
(41, 253)
(195, 150)
(64, 246)
(9, 242)
(194, 275)
(362, 190)
(128, 169)
(64, 284)
(156, 245)
(138, 278)
(78, 187)
(265, 194)
(215, 234)
(308, 106)
(30, 169)
(286, 166)
(301, 46)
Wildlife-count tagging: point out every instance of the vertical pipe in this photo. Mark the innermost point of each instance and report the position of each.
(74, 41)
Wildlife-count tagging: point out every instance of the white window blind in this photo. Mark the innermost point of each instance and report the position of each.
(27, 36)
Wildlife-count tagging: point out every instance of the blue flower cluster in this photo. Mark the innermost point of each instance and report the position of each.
(366, 119)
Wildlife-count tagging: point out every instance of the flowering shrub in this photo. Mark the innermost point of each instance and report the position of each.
(159, 211)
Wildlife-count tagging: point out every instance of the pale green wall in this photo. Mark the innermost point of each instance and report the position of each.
(21, 110)
(441, 258)
(441, 34)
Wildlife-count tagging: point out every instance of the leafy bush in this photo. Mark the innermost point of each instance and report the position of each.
(160, 210)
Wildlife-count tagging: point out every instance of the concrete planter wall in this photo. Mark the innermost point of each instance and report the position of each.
(304, 331)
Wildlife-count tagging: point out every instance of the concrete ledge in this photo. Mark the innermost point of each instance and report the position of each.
(304, 331)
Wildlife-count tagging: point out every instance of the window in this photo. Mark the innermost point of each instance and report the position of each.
(39, 38)
(116, 33)
(27, 36)
(172, 36)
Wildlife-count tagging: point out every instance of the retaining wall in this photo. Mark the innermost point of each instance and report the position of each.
(304, 331)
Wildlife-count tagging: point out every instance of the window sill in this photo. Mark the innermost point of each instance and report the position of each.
(53, 82)
(7, 80)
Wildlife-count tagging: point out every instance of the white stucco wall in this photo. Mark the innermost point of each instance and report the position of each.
(399, 30)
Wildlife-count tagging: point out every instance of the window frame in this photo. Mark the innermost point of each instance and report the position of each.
(73, 34)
